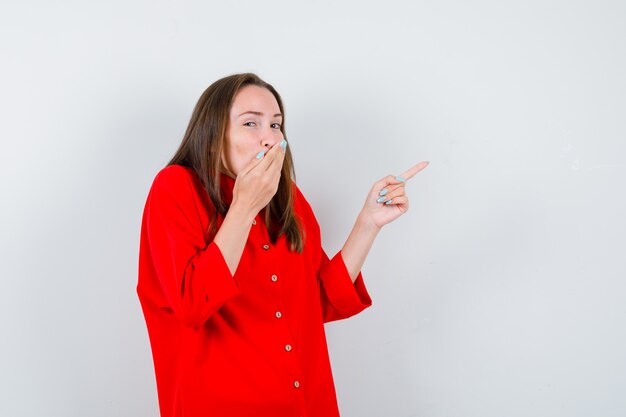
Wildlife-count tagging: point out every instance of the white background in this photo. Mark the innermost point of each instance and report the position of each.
(500, 293)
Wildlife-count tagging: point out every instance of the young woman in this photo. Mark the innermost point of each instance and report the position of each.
(233, 281)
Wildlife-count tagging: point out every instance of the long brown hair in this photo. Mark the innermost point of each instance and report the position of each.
(202, 147)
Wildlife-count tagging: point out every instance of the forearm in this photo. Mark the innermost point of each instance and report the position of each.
(358, 244)
(232, 235)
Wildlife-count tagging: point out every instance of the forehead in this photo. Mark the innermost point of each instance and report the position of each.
(254, 98)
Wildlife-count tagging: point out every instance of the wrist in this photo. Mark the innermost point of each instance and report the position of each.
(366, 223)
(243, 214)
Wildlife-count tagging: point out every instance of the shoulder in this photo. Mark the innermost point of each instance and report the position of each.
(302, 206)
(172, 177)
(173, 185)
(298, 197)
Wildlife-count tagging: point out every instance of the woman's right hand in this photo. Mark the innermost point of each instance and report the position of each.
(257, 183)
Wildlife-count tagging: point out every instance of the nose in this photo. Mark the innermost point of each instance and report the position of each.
(270, 139)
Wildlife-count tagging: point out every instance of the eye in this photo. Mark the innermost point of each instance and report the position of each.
(277, 124)
(246, 123)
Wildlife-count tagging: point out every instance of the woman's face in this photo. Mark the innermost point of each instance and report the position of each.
(255, 122)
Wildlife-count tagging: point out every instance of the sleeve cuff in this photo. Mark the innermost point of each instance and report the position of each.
(220, 285)
(346, 297)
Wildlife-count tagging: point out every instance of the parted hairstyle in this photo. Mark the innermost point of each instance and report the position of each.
(201, 150)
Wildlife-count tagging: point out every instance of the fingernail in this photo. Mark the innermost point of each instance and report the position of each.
(400, 179)
(260, 155)
(389, 202)
(283, 144)
(383, 191)
(381, 199)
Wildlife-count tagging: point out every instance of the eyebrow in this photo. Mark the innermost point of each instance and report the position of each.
(258, 113)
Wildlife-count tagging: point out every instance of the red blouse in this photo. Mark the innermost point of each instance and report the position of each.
(250, 344)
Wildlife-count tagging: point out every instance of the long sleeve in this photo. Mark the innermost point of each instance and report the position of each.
(340, 297)
(194, 276)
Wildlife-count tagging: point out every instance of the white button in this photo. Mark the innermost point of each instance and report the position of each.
(266, 247)
(278, 315)
(274, 278)
(288, 348)
(253, 221)
(296, 384)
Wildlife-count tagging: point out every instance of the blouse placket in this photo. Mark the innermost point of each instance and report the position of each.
(285, 344)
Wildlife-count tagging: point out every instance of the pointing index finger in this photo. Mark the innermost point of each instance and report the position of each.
(409, 173)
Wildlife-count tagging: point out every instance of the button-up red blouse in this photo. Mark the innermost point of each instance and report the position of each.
(250, 344)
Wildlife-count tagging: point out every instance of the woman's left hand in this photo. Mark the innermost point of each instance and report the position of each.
(387, 199)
